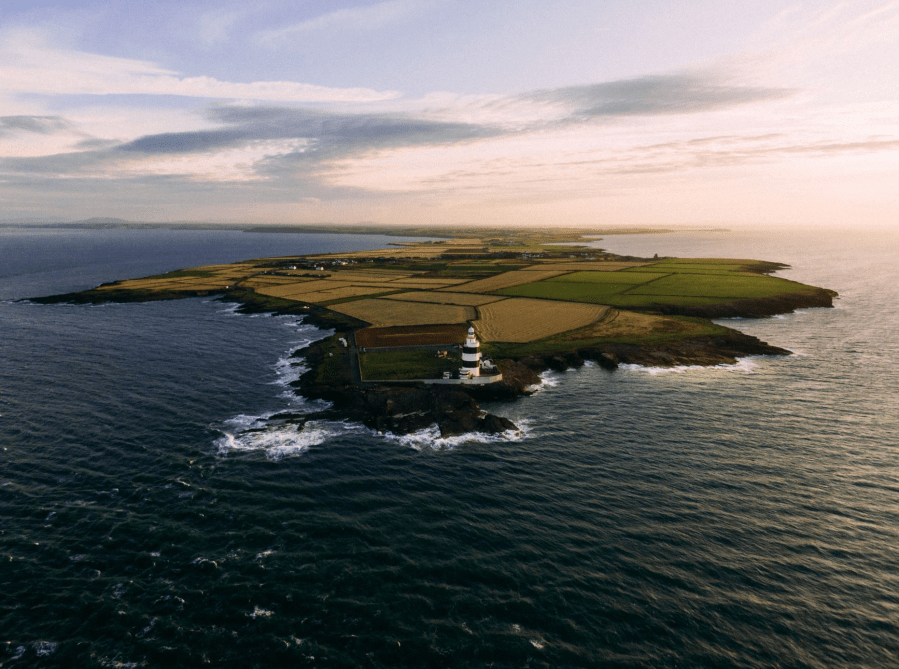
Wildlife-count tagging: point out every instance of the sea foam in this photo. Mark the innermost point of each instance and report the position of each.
(430, 438)
(281, 441)
(744, 365)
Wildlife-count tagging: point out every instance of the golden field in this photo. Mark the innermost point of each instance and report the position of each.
(465, 299)
(383, 313)
(508, 279)
(521, 319)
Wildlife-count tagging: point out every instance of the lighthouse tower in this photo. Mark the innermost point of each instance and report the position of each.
(471, 355)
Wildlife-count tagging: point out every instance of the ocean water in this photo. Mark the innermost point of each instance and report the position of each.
(739, 516)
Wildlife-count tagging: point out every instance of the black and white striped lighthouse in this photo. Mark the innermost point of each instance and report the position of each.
(471, 355)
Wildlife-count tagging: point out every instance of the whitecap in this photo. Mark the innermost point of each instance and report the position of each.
(42, 648)
(201, 561)
(548, 379)
(430, 438)
(744, 365)
(260, 613)
(281, 441)
(289, 370)
(230, 310)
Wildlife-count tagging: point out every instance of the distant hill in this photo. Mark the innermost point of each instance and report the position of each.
(105, 222)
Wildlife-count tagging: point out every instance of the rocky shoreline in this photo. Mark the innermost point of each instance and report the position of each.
(403, 408)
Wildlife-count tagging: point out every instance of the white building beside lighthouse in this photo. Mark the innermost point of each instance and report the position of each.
(471, 355)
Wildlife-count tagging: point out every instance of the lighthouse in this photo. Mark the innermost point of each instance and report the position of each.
(471, 355)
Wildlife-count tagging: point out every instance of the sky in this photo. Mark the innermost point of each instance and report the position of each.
(452, 112)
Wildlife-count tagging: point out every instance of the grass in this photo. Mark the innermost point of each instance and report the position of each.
(185, 273)
(361, 297)
(667, 329)
(688, 284)
(595, 293)
(735, 286)
(399, 365)
(333, 369)
(416, 335)
(525, 319)
(609, 277)
(652, 302)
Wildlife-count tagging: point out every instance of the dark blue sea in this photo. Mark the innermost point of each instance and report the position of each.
(737, 516)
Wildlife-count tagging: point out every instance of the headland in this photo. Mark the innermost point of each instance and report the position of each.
(535, 300)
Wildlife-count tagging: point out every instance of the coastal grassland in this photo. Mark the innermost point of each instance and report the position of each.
(618, 327)
(298, 289)
(376, 276)
(525, 320)
(426, 283)
(507, 279)
(190, 283)
(608, 277)
(596, 266)
(353, 298)
(719, 285)
(465, 299)
(399, 365)
(333, 368)
(265, 280)
(386, 312)
(339, 292)
(201, 272)
(659, 286)
(596, 293)
(412, 335)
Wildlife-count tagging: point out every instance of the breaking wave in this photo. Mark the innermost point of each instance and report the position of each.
(744, 365)
(429, 438)
(281, 441)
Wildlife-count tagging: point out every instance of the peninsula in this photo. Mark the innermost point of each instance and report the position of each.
(535, 300)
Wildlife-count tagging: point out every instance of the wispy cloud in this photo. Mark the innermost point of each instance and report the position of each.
(653, 95)
(278, 141)
(29, 67)
(324, 134)
(371, 17)
(42, 125)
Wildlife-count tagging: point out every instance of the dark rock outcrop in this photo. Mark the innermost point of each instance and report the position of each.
(402, 409)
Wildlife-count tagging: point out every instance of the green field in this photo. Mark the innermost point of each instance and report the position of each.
(398, 365)
(737, 286)
(683, 284)
(595, 293)
(689, 269)
(653, 302)
(619, 277)
(675, 328)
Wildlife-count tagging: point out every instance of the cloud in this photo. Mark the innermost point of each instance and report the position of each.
(42, 125)
(29, 66)
(653, 95)
(326, 134)
(371, 17)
